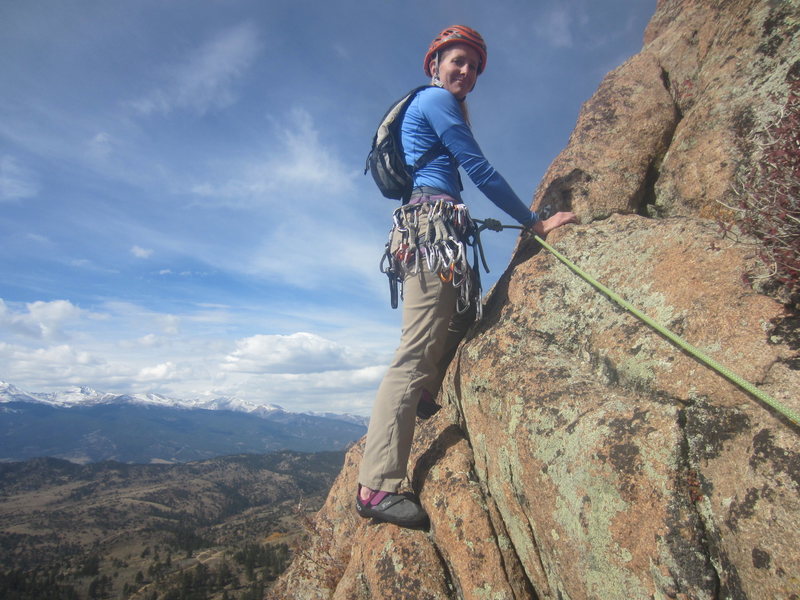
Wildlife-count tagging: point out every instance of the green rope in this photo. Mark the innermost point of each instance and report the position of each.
(675, 339)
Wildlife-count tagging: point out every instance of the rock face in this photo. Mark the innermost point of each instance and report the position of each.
(579, 454)
(667, 133)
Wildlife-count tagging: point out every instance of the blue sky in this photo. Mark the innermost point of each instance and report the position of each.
(183, 203)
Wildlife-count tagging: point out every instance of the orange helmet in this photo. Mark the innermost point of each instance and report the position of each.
(454, 35)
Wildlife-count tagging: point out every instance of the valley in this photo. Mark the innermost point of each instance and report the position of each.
(220, 529)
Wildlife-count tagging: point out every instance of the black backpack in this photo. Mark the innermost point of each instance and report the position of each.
(386, 160)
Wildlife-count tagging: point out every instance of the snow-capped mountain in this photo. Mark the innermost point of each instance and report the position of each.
(86, 396)
(357, 419)
(84, 425)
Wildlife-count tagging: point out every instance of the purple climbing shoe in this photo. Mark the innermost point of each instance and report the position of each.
(400, 509)
(427, 407)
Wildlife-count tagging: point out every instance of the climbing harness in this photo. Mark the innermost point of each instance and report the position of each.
(787, 412)
(434, 236)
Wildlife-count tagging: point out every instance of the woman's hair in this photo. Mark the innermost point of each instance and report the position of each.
(437, 82)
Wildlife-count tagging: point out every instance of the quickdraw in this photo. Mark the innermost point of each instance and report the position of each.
(435, 235)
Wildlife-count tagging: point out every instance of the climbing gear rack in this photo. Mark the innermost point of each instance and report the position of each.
(434, 236)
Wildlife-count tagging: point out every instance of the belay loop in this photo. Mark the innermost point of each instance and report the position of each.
(435, 236)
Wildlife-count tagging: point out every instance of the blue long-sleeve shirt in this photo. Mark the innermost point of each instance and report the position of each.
(435, 114)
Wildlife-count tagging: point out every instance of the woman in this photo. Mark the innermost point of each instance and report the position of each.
(434, 282)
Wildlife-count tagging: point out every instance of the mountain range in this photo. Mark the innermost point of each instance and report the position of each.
(84, 425)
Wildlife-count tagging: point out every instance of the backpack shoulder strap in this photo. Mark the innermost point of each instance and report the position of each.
(396, 110)
(391, 121)
(437, 149)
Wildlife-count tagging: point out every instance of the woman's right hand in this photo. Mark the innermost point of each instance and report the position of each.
(542, 228)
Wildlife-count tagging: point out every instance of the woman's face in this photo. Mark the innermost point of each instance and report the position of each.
(458, 69)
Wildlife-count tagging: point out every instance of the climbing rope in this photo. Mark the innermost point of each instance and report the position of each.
(701, 356)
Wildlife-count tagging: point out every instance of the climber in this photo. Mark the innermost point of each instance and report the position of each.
(434, 321)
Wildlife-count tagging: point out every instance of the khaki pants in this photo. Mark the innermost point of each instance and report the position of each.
(431, 332)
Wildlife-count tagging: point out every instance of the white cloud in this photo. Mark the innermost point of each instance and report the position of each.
(38, 238)
(64, 357)
(162, 372)
(346, 390)
(288, 354)
(299, 164)
(170, 324)
(205, 81)
(338, 381)
(100, 146)
(16, 181)
(62, 363)
(554, 27)
(302, 371)
(149, 341)
(140, 252)
(88, 265)
(312, 231)
(41, 320)
(330, 251)
(306, 161)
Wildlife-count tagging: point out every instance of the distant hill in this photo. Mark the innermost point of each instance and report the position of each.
(85, 426)
(116, 530)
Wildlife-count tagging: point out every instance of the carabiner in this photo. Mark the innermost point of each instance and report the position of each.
(449, 277)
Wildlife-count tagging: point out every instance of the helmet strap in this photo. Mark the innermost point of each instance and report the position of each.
(435, 78)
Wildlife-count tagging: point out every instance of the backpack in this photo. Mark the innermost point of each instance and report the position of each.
(386, 160)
